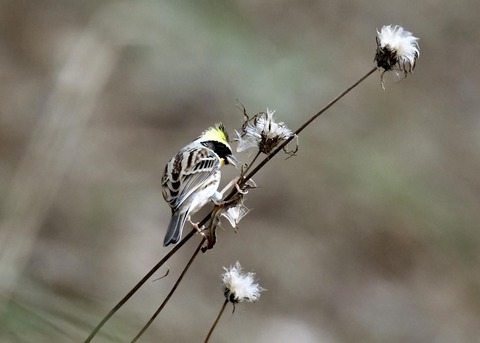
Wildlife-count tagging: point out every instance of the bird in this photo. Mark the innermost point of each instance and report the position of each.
(192, 177)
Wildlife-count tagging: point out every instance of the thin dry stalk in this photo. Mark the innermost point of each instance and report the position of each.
(174, 288)
(216, 321)
(138, 285)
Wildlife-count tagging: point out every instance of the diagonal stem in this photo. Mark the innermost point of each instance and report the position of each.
(138, 285)
(253, 161)
(301, 128)
(174, 288)
(216, 321)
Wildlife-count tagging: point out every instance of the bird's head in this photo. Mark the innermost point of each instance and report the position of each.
(216, 138)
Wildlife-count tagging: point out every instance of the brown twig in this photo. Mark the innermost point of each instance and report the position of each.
(139, 284)
(157, 312)
(301, 128)
(216, 321)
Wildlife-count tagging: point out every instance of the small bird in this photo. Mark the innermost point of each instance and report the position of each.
(191, 178)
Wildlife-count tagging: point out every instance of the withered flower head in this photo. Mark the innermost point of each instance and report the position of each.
(397, 49)
(262, 132)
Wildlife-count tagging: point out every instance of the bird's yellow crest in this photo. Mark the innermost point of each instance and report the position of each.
(217, 133)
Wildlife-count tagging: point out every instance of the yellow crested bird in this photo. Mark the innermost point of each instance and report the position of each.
(191, 178)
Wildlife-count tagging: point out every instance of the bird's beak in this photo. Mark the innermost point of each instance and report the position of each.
(232, 160)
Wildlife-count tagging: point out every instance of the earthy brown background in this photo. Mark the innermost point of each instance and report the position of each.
(370, 234)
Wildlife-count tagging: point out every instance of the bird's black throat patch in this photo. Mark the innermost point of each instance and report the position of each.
(221, 149)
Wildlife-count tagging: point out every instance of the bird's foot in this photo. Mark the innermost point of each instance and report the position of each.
(200, 230)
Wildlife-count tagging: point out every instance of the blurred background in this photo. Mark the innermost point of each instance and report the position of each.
(370, 234)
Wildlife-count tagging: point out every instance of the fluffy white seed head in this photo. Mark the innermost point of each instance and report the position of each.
(397, 49)
(262, 132)
(239, 286)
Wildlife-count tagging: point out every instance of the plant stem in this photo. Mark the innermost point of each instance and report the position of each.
(139, 284)
(157, 312)
(216, 320)
(301, 128)
(253, 161)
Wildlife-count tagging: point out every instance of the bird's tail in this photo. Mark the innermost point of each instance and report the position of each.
(175, 228)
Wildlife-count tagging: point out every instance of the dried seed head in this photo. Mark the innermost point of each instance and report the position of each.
(262, 132)
(239, 286)
(397, 49)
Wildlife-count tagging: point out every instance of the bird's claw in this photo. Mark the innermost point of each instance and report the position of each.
(200, 230)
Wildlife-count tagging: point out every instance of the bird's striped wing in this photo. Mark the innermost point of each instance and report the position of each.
(198, 165)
